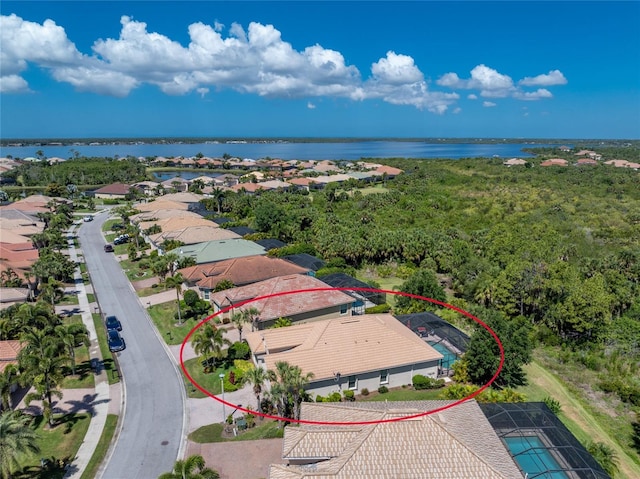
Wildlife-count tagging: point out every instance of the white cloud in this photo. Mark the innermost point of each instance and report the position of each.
(255, 61)
(493, 84)
(554, 77)
(311, 106)
(534, 95)
(488, 104)
(13, 84)
(456, 110)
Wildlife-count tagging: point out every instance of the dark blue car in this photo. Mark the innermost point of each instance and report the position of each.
(116, 343)
(111, 322)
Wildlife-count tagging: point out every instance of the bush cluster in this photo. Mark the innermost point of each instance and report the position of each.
(423, 382)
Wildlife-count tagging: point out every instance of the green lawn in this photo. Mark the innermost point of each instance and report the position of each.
(402, 394)
(84, 375)
(213, 433)
(61, 442)
(101, 449)
(107, 357)
(69, 300)
(162, 316)
(209, 381)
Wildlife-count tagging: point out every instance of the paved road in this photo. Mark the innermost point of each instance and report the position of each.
(153, 422)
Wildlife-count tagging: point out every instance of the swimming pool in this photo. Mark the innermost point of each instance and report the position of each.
(533, 457)
(449, 356)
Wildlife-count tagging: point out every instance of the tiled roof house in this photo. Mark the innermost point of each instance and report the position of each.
(349, 352)
(454, 443)
(240, 271)
(307, 306)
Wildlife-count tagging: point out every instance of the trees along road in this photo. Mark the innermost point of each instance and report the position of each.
(153, 417)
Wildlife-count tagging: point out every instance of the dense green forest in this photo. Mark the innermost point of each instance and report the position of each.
(555, 251)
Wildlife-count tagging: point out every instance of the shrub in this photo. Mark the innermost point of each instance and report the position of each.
(364, 392)
(320, 398)
(239, 350)
(349, 395)
(334, 397)
(553, 404)
(423, 382)
(378, 309)
(383, 389)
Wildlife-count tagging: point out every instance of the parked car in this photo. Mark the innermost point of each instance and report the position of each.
(116, 342)
(108, 248)
(88, 218)
(111, 322)
(121, 239)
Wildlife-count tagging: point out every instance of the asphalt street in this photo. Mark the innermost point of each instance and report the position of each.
(153, 421)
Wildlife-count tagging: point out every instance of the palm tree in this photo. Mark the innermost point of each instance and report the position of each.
(193, 467)
(288, 385)
(38, 316)
(210, 341)
(238, 319)
(51, 291)
(16, 439)
(71, 336)
(219, 195)
(175, 282)
(252, 315)
(606, 457)
(7, 380)
(42, 366)
(257, 377)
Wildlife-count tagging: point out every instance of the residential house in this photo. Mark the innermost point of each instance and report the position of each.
(194, 234)
(283, 298)
(154, 216)
(240, 271)
(176, 184)
(389, 171)
(211, 251)
(161, 204)
(515, 162)
(555, 162)
(177, 223)
(9, 350)
(11, 296)
(112, 191)
(623, 164)
(17, 257)
(456, 442)
(347, 353)
(226, 180)
(586, 161)
(31, 205)
(149, 188)
(325, 166)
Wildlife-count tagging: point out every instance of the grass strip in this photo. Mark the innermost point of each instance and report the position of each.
(108, 362)
(102, 448)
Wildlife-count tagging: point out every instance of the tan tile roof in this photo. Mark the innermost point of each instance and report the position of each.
(195, 234)
(114, 189)
(156, 215)
(161, 205)
(350, 344)
(286, 305)
(9, 353)
(389, 170)
(13, 295)
(240, 271)
(177, 223)
(452, 444)
(7, 236)
(184, 197)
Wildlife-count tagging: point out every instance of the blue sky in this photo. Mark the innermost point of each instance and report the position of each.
(454, 69)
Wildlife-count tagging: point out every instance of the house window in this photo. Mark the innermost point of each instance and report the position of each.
(384, 376)
(353, 382)
(343, 309)
(206, 293)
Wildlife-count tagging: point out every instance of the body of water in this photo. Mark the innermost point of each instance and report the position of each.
(287, 151)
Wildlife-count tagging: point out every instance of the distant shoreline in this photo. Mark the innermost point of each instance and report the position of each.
(63, 142)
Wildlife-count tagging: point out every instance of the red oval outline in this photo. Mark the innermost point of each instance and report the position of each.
(355, 423)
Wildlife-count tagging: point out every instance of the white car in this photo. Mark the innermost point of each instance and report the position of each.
(88, 218)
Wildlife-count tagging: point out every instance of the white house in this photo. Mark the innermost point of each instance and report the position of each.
(350, 353)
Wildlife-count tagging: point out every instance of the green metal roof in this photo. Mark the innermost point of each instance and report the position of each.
(211, 251)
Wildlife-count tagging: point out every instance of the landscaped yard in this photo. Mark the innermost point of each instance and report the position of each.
(214, 432)
(403, 394)
(163, 317)
(209, 381)
(84, 375)
(61, 442)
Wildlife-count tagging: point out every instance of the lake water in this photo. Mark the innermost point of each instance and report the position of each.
(355, 150)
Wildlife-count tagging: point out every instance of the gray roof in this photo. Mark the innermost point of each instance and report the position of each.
(211, 251)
